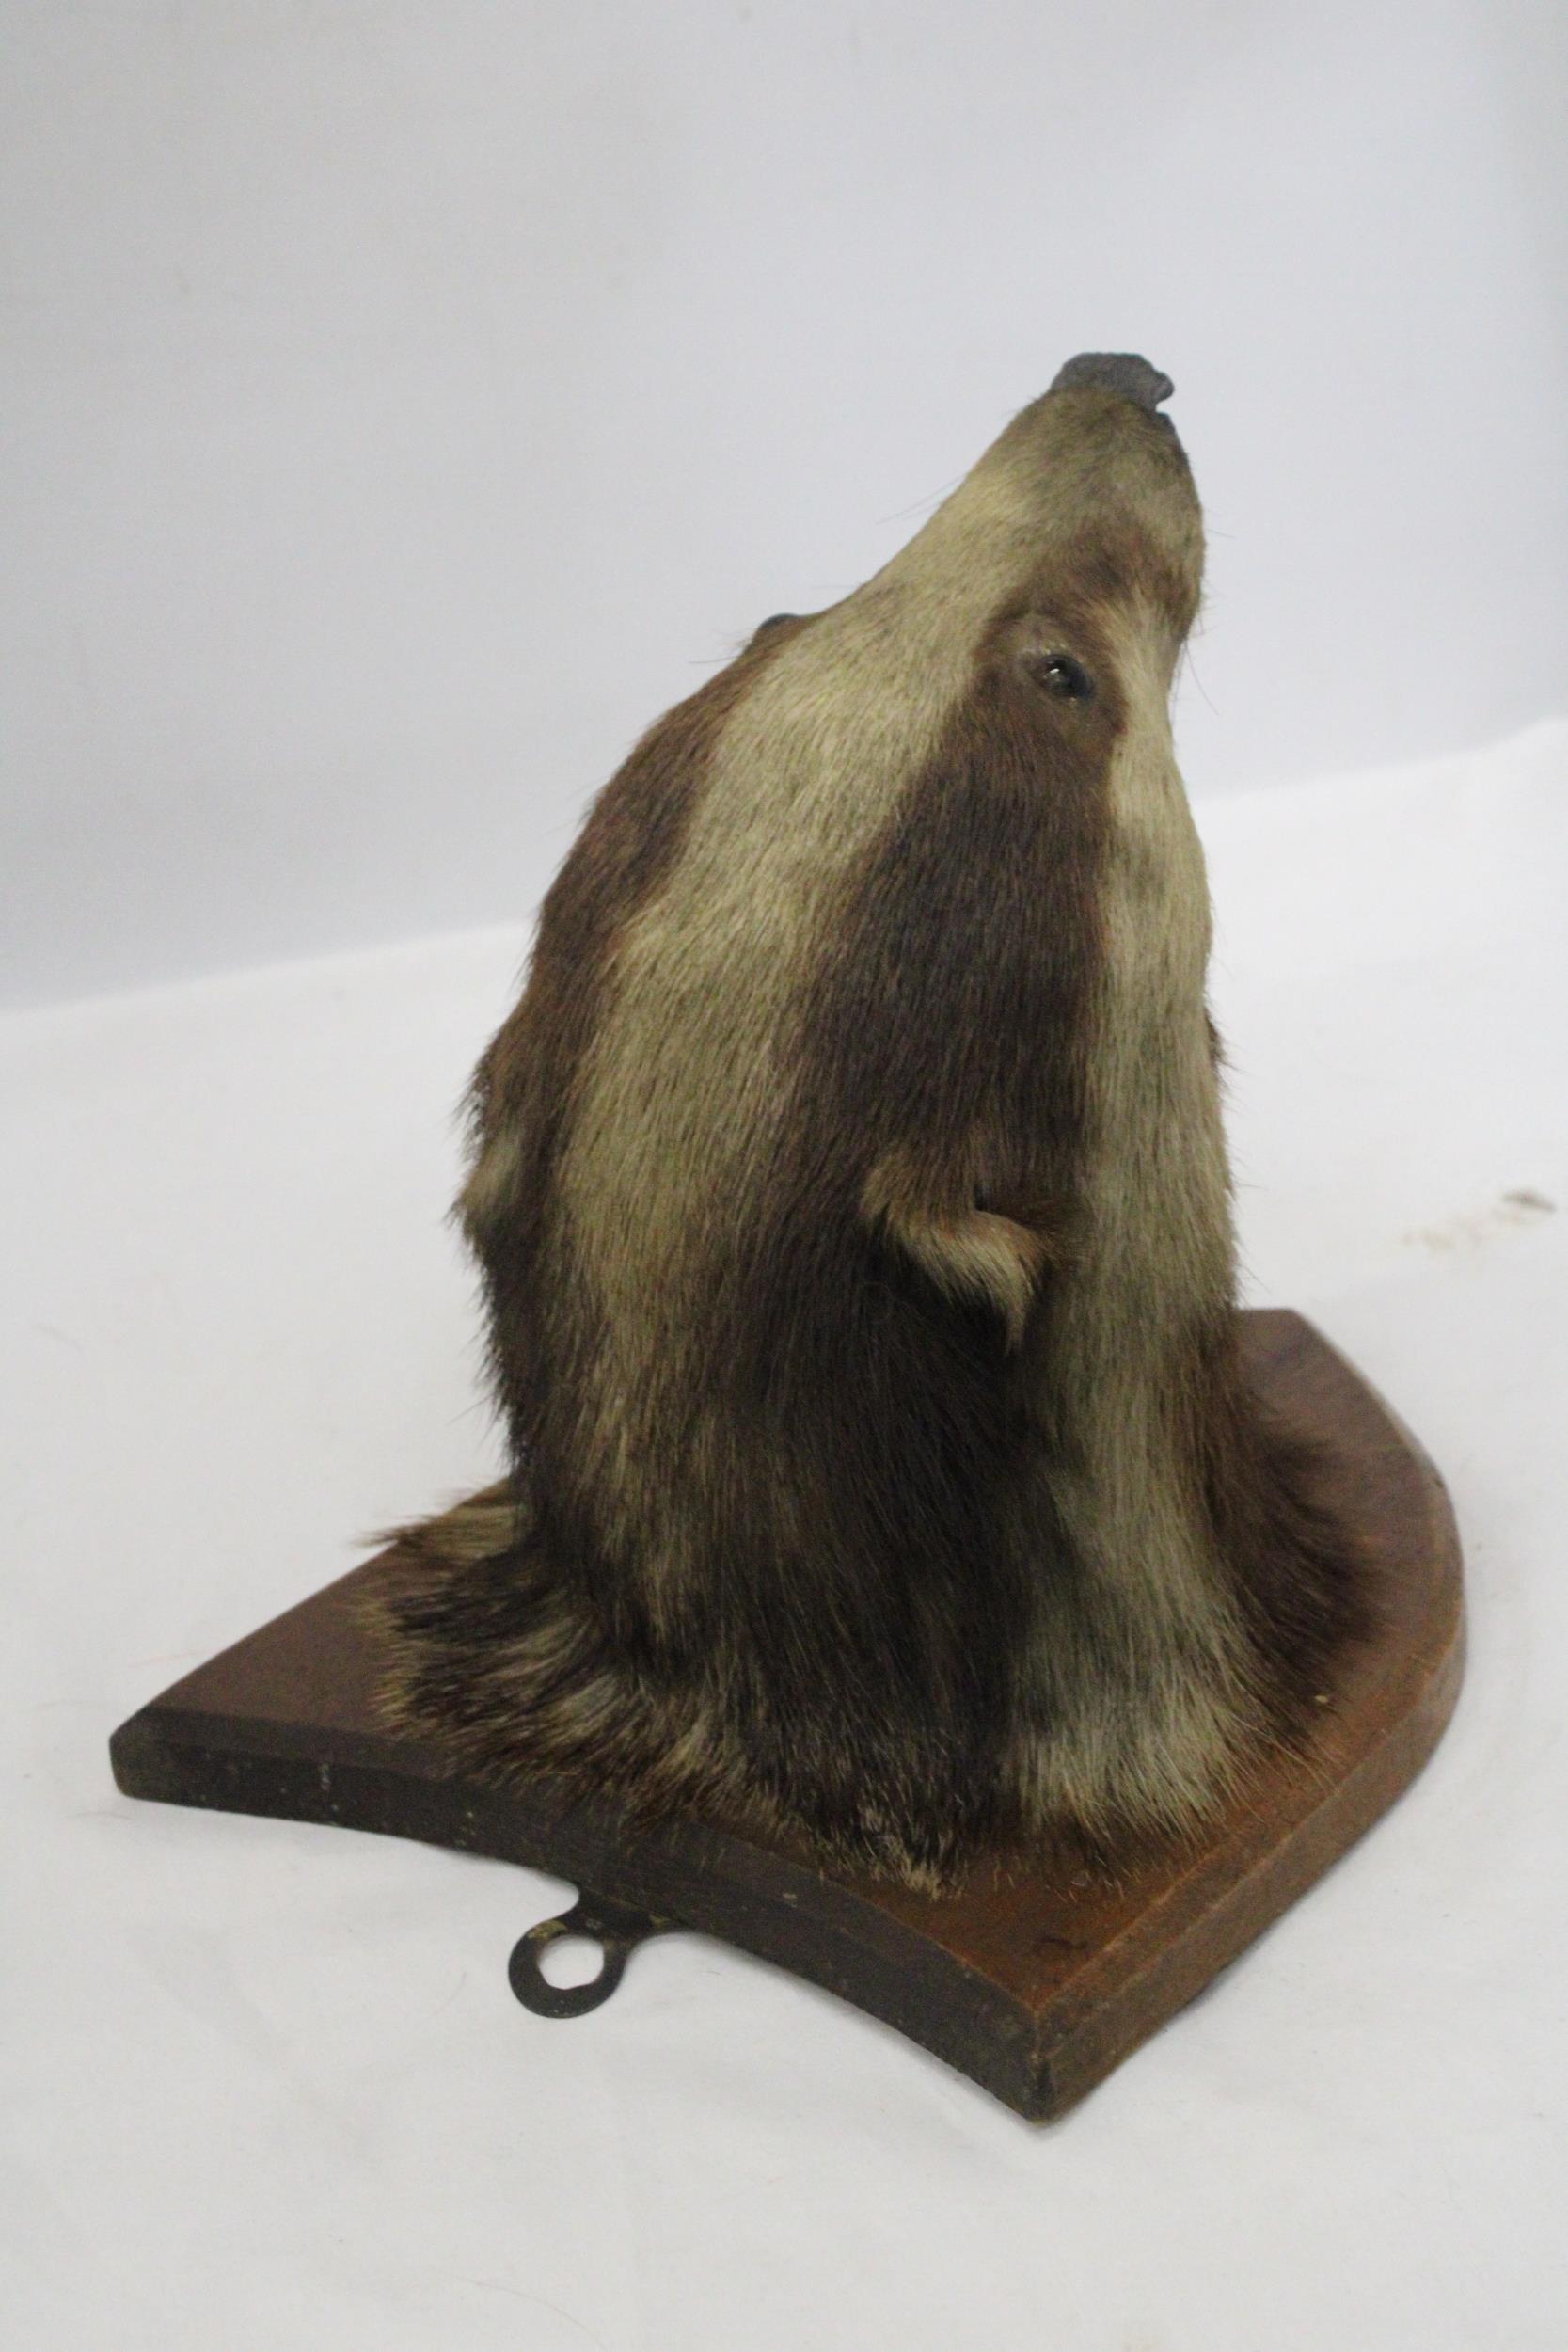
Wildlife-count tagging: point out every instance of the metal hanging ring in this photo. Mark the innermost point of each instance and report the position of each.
(614, 1927)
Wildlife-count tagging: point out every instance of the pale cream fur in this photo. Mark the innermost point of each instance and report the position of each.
(1153, 1257)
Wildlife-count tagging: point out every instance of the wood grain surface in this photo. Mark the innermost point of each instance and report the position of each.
(1045, 1970)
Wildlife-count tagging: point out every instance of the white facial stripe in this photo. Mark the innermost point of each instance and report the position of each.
(1154, 1264)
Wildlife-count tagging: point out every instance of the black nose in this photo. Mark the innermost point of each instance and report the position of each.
(1120, 372)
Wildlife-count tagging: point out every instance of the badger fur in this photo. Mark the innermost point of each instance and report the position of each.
(851, 1201)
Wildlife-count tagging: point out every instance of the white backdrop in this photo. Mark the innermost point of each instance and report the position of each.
(408, 398)
(405, 399)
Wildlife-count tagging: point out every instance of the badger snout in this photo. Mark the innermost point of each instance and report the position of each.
(1123, 371)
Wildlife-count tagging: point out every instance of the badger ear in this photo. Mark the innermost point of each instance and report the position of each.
(967, 1252)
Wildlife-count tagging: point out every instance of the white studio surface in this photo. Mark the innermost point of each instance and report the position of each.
(265, 2084)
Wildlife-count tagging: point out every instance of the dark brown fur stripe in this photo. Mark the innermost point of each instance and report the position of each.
(1304, 1590)
(873, 1634)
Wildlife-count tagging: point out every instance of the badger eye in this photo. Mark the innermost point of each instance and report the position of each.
(772, 620)
(1062, 677)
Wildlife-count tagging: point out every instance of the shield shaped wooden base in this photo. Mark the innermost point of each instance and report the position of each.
(1045, 1971)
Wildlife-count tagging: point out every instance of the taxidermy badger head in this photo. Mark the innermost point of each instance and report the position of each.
(851, 1199)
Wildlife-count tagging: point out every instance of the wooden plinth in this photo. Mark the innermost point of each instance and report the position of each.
(1038, 1977)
